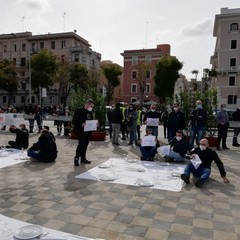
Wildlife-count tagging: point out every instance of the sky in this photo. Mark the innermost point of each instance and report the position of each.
(112, 26)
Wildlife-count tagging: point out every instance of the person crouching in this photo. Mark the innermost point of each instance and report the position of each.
(22, 137)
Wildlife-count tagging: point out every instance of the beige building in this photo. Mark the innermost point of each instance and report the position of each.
(67, 46)
(226, 58)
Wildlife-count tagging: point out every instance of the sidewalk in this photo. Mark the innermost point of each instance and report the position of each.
(51, 196)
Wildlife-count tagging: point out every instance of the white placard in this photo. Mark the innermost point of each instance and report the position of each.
(154, 122)
(44, 92)
(148, 141)
(11, 119)
(90, 125)
(164, 150)
(196, 161)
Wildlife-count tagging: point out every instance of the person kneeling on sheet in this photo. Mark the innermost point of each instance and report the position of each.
(22, 137)
(148, 146)
(179, 148)
(200, 164)
(45, 150)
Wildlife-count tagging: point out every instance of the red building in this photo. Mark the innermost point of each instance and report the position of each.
(139, 71)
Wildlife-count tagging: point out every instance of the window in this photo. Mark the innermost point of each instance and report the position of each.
(76, 57)
(134, 60)
(33, 47)
(231, 80)
(233, 62)
(133, 100)
(234, 27)
(42, 45)
(14, 61)
(23, 62)
(33, 99)
(148, 59)
(4, 99)
(133, 88)
(52, 45)
(148, 74)
(23, 47)
(134, 74)
(148, 88)
(233, 44)
(13, 99)
(232, 99)
(14, 47)
(63, 43)
(22, 99)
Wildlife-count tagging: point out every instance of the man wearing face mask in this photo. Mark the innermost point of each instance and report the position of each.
(79, 121)
(222, 125)
(152, 114)
(176, 121)
(203, 171)
(198, 117)
(179, 147)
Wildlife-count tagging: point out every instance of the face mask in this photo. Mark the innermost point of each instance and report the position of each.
(90, 109)
(153, 110)
(224, 109)
(130, 108)
(175, 108)
(178, 138)
(199, 106)
(202, 148)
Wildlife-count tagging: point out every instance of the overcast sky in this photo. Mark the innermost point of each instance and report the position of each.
(112, 26)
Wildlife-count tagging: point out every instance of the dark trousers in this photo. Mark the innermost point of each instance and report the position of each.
(235, 136)
(83, 140)
(31, 125)
(222, 135)
(124, 130)
(138, 132)
(110, 129)
(14, 144)
(165, 130)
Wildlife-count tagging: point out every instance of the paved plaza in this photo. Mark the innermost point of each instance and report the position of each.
(51, 196)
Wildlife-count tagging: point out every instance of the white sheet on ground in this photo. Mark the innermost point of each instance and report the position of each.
(158, 175)
(12, 156)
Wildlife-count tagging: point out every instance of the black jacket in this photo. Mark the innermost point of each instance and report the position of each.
(176, 120)
(198, 118)
(207, 156)
(46, 146)
(236, 115)
(181, 147)
(79, 117)
(116, 115)
(22, 137)
(151, 114)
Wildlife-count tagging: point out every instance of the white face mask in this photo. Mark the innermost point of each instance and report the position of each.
(90, 109)
(202, 147)
(175, 108)
(178, 138)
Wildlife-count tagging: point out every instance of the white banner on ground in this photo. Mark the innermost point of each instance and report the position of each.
(11, 119)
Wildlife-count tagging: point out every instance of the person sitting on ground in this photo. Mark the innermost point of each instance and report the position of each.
(22, 137)
(45, 150)
(179, 148)
(148, 152)
(203, 171)
(47, 128)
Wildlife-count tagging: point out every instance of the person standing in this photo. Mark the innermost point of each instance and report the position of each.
(131, 118)
(236, 117)
(30, 111)
(123, 123)
(139, 122)
(222, 125)
(176, 121)
(198, 118)
(79, 121)
(39, 118)
(164, 120)
(116, 118)
(109, 117)
(152, 114)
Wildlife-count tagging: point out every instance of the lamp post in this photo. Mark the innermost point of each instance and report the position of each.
(30, 78)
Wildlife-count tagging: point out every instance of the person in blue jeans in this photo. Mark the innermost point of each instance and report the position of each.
(203, 171)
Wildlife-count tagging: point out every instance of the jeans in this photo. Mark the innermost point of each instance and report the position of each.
(196, 131)
(34, 154)
(116, 130)
(176, 156)
(148, 151)
(200, 172)
(133, 136)
(235, 136)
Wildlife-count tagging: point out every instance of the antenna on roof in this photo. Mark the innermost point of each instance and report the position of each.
(146, 33)
(64, 14)
(23, 18)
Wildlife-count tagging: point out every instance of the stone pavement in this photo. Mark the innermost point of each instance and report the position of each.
(51, 196)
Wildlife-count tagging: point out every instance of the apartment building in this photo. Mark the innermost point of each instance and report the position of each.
(67, 46)
(226, 57)
(131, 72)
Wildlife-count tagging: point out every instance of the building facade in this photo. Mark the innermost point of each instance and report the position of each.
(67, 46)
(135, 61)
(226, 57)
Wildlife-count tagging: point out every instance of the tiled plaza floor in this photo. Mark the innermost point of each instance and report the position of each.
(51, 196)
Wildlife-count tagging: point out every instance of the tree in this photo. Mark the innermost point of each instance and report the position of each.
(44, 67)
(79, 76)
(111, 71)
(166, 75)
(207, 76)
(8, 78)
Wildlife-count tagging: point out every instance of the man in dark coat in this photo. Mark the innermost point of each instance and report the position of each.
(45, 149)
(236, 117)
(22, 137)
(79, 121)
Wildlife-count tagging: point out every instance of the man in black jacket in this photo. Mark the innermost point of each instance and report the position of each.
(22, 137)
(203, 171)
(79, 121)
(116, 118)
(236, 117)
(45, 149)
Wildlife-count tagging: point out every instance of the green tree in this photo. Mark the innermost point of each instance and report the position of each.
(44, 68)
(79, 76)
(111, 71)
(8, 78)
(166, 75)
